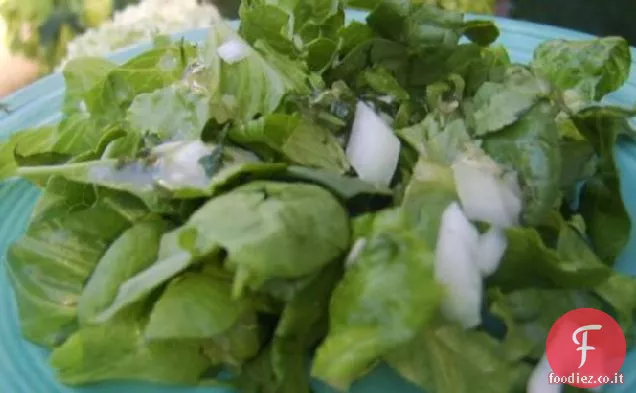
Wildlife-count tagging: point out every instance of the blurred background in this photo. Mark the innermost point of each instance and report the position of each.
(39, 36)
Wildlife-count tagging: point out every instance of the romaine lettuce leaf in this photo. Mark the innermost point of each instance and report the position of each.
(357, 194)
(531, 147)
(256, 84)
(81, 75)
(61, 196)
(607, 220)
(174, 170)
(199, 306)
(195, 306)
(352, 35)
(619, 291)
(532, 312)
(529, 263)
(295, 138)
(368, 53)
(119, 351)
(109, 99)
(439, 140)
(282, 24)
(446, 358)
(133, 251)
(372, 306)
(591, 68)
(51, 262)
(171, 113)
(256, 228)
(497, 105)
(282, 366)
(272, 23)
(25, 143)
(424, 27)
(76, 138)
(382, 82)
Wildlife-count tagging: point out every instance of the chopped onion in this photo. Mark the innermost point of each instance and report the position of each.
(373, 149)
(456, 269)
(233, 51)
(178, 164)
(492, 246)
(539, 381)
(485, 196)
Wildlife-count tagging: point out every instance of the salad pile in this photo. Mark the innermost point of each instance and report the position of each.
(309, 198)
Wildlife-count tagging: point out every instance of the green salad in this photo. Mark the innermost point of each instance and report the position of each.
(307, 198)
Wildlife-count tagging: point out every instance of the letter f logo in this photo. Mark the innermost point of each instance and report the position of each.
(583, 346)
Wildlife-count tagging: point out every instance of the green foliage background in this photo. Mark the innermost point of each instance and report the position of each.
(40, 29)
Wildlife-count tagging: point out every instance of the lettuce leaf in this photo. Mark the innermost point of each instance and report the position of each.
(531, 147)
(256, 84)
(133, 251)
(296, 139)
(194, 306)
(497, 105)
(591, 68)
(532, 312)
(26, 143)
(50, 263)
(282, 366)
(371, 308)
(607, 220)
(108, 100)
(446, 358)
(165, 173)
(119, 351)
(171, 113)
(199, 306)
(529, 263)
(424, 27)
(283, 23)
(261, 222)
(81, 75)
(358, 195)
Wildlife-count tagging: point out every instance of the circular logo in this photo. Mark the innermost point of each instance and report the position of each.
(586, 348)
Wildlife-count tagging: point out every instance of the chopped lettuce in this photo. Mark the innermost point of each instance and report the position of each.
(261, 219)
(297, 139)
(129, 254)
(371, 308)
(447, 358)
(119, 350)
(201, 220)
(50, 263)
(591, 68)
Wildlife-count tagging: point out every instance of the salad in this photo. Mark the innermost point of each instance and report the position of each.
(309, 198)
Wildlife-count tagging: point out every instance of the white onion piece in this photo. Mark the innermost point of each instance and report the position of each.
(492, 247)
(373, 149)
(455, 268)
(178, 166)
(484, 196)
(539, 381)
(233, 51)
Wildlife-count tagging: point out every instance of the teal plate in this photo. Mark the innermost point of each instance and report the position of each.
(23, 366)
